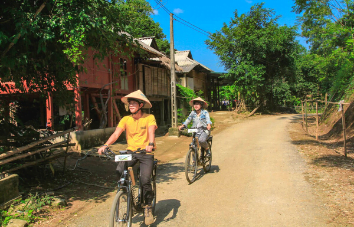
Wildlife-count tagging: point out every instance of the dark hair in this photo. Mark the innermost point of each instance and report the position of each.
(136, 100)
(200, 102)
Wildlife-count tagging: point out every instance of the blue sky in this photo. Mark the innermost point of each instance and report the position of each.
(210, 16)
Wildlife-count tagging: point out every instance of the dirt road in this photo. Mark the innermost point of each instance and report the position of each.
(257, 179)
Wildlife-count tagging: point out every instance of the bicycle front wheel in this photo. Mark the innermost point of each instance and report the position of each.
(121, 211)
(207, 160)
(190, 166)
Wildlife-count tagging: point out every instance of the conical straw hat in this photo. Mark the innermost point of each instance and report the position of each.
(137, 95)
(200, 100)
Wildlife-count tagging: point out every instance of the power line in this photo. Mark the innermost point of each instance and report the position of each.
(182, 21)
(193, 28)
(193, 25)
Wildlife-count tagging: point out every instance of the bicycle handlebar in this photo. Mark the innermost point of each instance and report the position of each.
(111, 154)
(203, 128)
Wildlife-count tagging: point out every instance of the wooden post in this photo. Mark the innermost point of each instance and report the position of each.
(68, 141)
(86, 107)
(306, 115)
(78, 109)
(302, 113)
(116, 109)
(344, 131)
(316, 120)
(50, 113)
(93, 99)
(326, 98)
(173, 77)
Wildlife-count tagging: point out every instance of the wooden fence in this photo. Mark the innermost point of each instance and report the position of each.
(38, 151)
(341, 109)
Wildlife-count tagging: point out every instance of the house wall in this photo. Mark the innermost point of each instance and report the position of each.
(200, 81)
(111, 69)
(154, 81)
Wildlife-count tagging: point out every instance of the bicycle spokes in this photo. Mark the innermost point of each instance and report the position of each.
(191, 166)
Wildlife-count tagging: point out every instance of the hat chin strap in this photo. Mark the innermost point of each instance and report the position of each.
(137, 110)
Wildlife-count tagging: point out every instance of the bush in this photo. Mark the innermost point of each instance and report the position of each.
(28, 209)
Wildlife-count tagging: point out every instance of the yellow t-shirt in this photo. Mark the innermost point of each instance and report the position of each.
(137, 130)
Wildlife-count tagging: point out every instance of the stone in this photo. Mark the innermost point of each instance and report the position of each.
(8, 188)
(17, 223)
(173, 132)
(58, 202)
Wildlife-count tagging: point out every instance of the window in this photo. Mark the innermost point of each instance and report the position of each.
(123, 74)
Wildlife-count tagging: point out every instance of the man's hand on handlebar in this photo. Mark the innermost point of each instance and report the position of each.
(149, 148)
(101, 149)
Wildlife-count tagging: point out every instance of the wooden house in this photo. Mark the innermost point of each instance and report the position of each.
(111, 78)
(194, 74)
(154, 79)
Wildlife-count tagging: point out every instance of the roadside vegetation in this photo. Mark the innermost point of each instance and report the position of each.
(271, 68)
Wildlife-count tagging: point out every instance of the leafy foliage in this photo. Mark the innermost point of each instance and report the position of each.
(44, 42)
(328, 25)
(28, 209)
(258, 53)
(138, 23)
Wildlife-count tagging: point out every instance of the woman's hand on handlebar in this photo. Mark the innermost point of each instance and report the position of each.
(181, 127)
(209, 127)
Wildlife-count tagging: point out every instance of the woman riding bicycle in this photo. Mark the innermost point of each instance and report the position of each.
(140, 134)
(201, 120)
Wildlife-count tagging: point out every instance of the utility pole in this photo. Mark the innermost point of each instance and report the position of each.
(173, 76)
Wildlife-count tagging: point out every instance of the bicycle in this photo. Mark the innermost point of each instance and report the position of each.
(129, 198)
(192, 158)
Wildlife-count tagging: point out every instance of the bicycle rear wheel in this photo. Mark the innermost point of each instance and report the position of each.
(137, 192)
(207, 160)
(190, 166)
(121, 211)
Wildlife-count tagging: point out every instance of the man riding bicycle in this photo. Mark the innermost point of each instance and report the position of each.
(201, 120)
(140, 134)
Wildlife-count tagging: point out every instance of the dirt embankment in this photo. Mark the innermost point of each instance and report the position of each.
(330, 172)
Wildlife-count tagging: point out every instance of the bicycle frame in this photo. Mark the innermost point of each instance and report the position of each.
(126, 184)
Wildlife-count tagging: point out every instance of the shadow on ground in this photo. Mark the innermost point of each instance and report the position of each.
(334, 161)
(337, 159)
(201, 173)
(165, 211)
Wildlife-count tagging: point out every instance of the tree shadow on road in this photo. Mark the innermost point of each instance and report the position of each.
(168, 171)
(165, 211)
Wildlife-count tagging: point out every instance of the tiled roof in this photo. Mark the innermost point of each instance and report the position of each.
(183, 54)
(146, 40)
(183, 58)
(149, 49)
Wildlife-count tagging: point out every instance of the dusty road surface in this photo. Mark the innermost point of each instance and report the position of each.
(257, 179)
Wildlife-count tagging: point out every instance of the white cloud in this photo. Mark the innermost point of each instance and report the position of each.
(249, 1)
(177, 11)
(155, 12)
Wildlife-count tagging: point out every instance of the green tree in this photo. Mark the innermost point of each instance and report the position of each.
(138, 23)
(258, 53)
(43, 42)
(328, 25)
